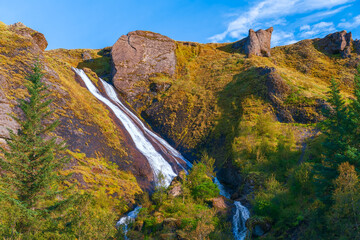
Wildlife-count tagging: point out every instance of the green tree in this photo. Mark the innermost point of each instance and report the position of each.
(31, 162)
(200, 184)
(336, 127)
(353, 151)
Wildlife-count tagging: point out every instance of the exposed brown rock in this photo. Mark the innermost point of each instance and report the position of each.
(139, 55)
(175, 190)
(36, 36)
(257, 43)
(86, 56)
(275, 84)
(335, 43)
(221, 203)
(6, 122)
(277, 91)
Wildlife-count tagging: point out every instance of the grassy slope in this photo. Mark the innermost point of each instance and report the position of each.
(217, 103)
(83, 118)
(215, 90)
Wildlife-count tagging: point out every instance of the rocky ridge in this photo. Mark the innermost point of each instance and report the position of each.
(339, 42)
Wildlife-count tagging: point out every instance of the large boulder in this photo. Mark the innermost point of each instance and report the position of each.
(138, 56)
(257, 43)
(335, 43)
(38, 38)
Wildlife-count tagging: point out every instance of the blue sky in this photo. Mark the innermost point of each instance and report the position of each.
(99, 23)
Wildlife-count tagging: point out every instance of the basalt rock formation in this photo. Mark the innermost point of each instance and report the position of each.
(138, 56)
(335, 43)
(257, 43)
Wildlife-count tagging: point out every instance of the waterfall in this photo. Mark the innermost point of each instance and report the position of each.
(130, 217)
(240, 216)
(239, 220)
(165, 146)
(156, 161)
(144, 139)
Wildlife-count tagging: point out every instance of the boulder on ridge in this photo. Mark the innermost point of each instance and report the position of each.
(335, 43)
(139, 55)
(257, 43)
(25, 31)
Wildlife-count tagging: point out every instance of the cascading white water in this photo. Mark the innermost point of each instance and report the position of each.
(130, 217)
(223, 192)
(241, 214)
(156, 161)
(239, 219)
(110, 91)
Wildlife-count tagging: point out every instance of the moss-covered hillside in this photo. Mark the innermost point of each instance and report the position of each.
(101, 158)
(216, 89)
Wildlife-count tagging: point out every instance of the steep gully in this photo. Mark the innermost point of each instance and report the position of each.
(145, 141)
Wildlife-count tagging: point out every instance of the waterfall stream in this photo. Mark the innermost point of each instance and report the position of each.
(144, 139)
(240, 216)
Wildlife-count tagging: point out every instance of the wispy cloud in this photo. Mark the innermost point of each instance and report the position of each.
(258, 16)
(308, 31)
(352, 24)
(282, 37)
(320, 15)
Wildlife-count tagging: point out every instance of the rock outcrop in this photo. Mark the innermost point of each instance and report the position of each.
(221, 203)
(257, 43)
(6, 121)
(38, 38)
(86, 56)
(278, 93)
(335, 43)
(357, 46)
(138, 56)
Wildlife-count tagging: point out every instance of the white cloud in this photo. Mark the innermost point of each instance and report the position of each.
(305, 27)
(316, 29)
(352, 24)
(275, 10)
(280, 37)
(320, 15)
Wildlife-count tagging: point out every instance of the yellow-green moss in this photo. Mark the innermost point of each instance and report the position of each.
(98, 173)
